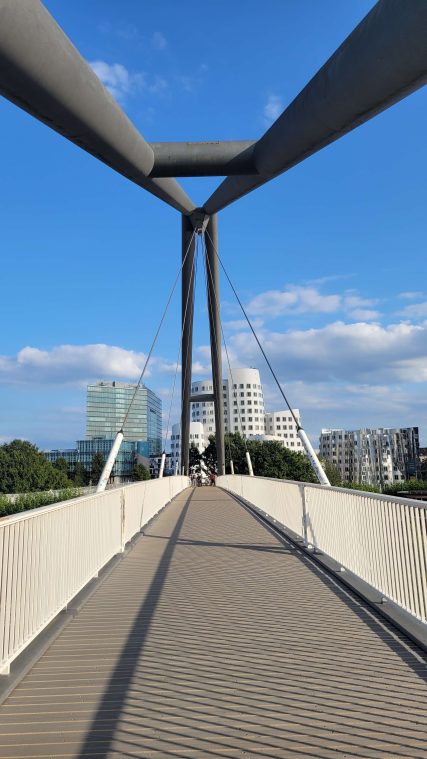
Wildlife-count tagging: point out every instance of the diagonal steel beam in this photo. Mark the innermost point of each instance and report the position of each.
(382, 61)
(43, 73)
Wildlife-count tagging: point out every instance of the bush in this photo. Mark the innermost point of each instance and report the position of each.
(29, 501)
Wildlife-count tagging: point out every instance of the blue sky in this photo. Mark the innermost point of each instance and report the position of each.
(329, 257)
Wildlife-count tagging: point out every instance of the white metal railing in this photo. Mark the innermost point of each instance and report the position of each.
(380, 538)
(49, 554)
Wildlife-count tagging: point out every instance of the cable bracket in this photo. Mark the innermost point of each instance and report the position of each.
(199, 219)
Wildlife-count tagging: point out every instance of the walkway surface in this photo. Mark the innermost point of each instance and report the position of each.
(213, 638)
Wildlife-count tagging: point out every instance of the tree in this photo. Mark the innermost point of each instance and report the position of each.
(80, 475)
(332, 472)
(235, 448)
(25, 469)
(209, 455)
(98, 463)
(61, 465)
(269, 459)
(194, 459)
(140, 472)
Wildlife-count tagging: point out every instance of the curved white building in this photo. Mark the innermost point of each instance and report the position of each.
(246, 403)
(243, 403)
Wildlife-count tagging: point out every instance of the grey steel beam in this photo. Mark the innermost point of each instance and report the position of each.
(215, 336)
(202, 397)
(382, 61)
(188, 277)
(43, 73)
(202, 159)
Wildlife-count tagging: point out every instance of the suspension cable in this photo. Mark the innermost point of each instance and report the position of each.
(208, 267)
(298, 426)
(158, 331)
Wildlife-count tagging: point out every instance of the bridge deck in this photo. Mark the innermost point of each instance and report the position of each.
(212, 638)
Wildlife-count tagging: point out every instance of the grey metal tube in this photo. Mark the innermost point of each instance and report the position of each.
(43, 73)
(382, 61)
(202, 159)
(187, 303)
(215, 335)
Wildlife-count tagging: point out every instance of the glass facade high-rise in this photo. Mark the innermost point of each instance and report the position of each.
(106, 407)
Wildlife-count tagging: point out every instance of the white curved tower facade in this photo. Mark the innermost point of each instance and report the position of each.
(243, 403)
(246, 403)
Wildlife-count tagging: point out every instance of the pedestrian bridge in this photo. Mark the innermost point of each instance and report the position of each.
(212, 633)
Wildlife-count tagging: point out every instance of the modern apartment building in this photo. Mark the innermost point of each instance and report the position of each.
(280, 425)
(373, 456)
(243, 403)
(244, 412)
(198, 435)
(107, 404)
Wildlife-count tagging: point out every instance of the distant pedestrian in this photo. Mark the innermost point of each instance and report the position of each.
(212, 478)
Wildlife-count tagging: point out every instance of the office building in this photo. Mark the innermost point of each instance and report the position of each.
(373, 456)
(107, 406)
(86, 449)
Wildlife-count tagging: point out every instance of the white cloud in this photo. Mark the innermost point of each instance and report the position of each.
(272, 109)
(364, 314)
(121, 83)
(360, 352)
(115, 77)
(159, 41)
(415, 310)
(295, 299)
(359, 308)
(411, 295)
(308, 299)
(75, 364)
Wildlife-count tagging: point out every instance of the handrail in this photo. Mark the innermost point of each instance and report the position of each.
(380, 539)
(49, 554)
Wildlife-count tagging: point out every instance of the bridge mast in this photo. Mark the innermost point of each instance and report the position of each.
(188, 277)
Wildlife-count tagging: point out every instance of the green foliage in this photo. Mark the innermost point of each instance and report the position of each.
(61, 465)
(195, 458)
(332, 472)
(80, 475)
(98, 463)
(269, 459)
(398, 487)
(29, 501)
(140, 472)
(209, 455)
(24, 469)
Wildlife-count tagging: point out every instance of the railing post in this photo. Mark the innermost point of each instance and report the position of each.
(122, 519)
(304, 514)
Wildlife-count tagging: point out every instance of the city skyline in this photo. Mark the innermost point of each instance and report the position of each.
(328, 258)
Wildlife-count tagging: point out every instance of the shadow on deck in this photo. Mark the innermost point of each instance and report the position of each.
(214, 638)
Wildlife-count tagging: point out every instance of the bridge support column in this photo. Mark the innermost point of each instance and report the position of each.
(215, 335)
(188, 244)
